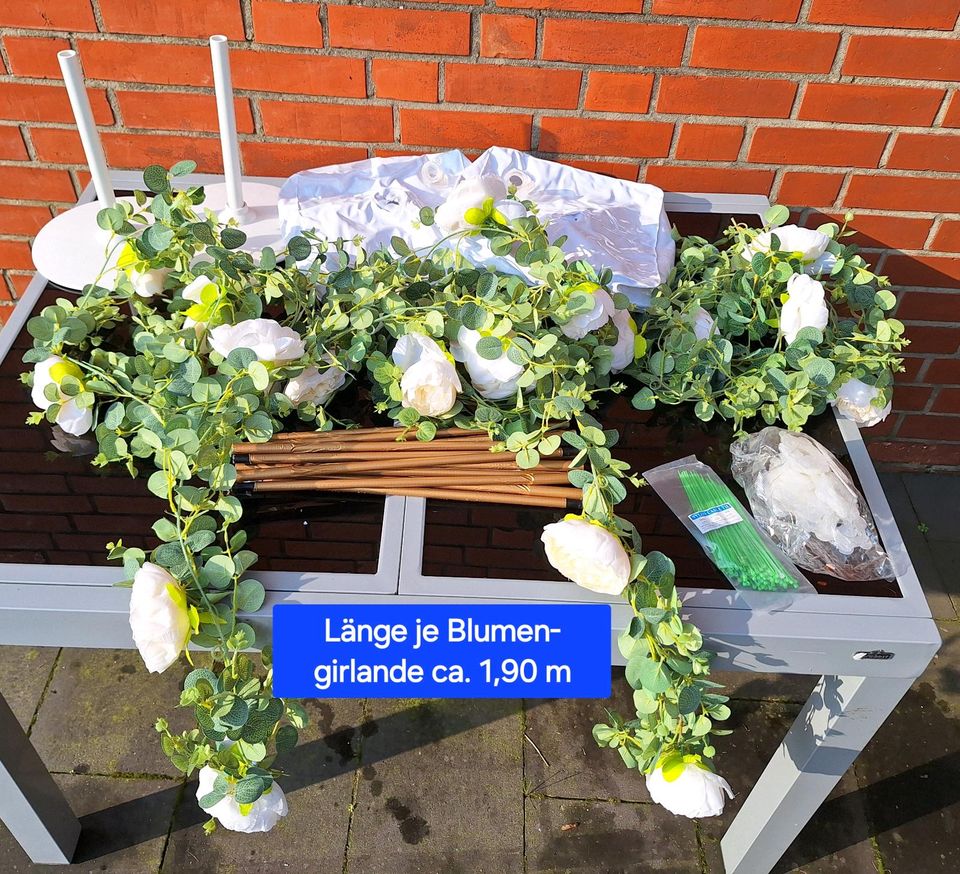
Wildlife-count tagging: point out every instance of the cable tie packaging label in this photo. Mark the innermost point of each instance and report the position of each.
(441, 650)
(715, 517)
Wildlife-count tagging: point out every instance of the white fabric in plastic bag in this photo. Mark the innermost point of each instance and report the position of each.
(611, 223)
(802, 496)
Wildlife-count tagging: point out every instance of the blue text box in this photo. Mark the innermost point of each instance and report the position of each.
(441, 651)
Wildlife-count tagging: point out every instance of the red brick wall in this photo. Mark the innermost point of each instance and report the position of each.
(822, 104)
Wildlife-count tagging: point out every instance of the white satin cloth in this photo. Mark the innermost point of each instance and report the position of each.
(608, 222)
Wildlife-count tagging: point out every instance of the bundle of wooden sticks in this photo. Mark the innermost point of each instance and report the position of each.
(457, 465)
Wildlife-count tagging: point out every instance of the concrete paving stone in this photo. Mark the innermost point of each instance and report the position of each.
(441, 789)
(318, 783)
(792, 688)
(564, 836)
(124, 827)
(931, 497)
(99, 713)
(24, 671)
(910, 771)
(834, 842)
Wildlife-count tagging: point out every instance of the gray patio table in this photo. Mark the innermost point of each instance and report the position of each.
(867, 642)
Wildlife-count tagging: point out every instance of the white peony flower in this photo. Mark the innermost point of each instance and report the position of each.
(147, 283)
(805, 242)
(269, 340)
(854, 401)
(511, 209)
(583, 323)
(588, 554)
(71, 418)
(805, 307)
(495, 378)
(264, 813)
(624, 348)
(315, 386)
(158, 617)
(467, 194)
(703, 324)
(429, 383)
(695, 793)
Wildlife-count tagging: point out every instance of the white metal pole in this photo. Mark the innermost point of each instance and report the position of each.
(228, 122)
(92, 147)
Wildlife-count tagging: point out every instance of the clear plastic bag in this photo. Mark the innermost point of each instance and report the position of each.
(808, 504)
(731, 538)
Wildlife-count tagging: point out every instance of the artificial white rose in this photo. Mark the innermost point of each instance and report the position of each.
(807, 243)
(467, 194)
(696, 792)
(805, 307)
(147, 283)
(263, 815)
(429, 383)
(315, 386)
(625, 347)
(158, 617)
(73, 419)
(583, 323)
(588, 554)
(855, 401)
(270, 341)
(703, 324)
(511, 209)
(494, 378)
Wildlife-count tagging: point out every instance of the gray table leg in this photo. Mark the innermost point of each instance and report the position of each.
(31, 804)
(838, 720)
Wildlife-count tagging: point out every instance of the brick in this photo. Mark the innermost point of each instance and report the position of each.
(22, 220)
(71, 15)
(932, 271)
(743, 10)
(948, 401)
(416, 81)
(903, 57)
(726, 96)
(412, 31)
(58, 145)
(947, 238)
(476, 130)
(776, 51)
(29, 182)
(513, 86)
(928, 306)
(613, 42)
(709, 142)
(616, 169)
(926, 152)
(287, 24)
(12, 147)
(911, 398)
(508, 36)
(944, 371)
(952, 118)
(327, 121)
(179, 110)
(15, 255)
(904, 193)
(34, 56)
(927, 427)
(933, 340)
(284, 159)
(928, 15)
(618, 92)
(817, 146)
(590, 136)
(125, 62)
(48, 103)
(901, 453)
(887, 231)
(298, 74)
(138, 150)
(911, 368)
(576, 5)
(800, 188)
(871, 104)
(173, 17)
(733, 180)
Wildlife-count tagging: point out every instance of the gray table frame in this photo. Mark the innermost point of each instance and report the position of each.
(834, 637)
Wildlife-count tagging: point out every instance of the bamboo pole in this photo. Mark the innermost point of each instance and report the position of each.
(476, 475)
(279, 447)
(412, 459)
